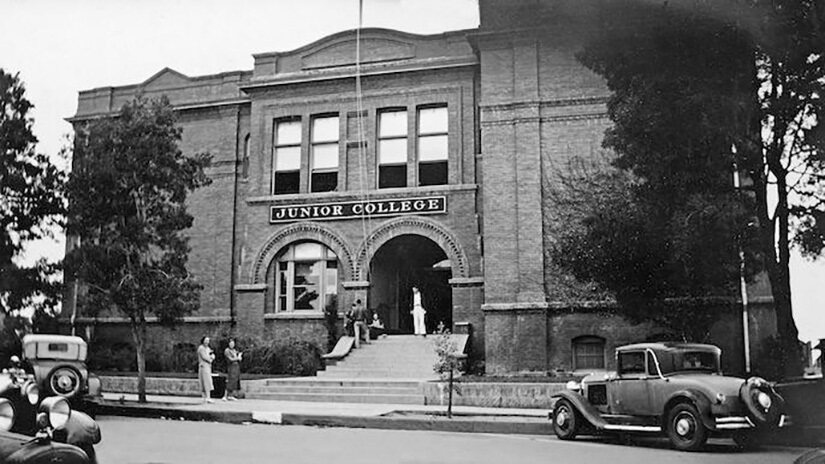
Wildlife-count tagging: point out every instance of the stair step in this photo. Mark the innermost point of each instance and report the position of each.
(312, 382)
(366, 390)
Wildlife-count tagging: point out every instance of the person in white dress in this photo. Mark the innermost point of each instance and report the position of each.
(418, 313)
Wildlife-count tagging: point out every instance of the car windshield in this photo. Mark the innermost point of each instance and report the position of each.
(695, 361)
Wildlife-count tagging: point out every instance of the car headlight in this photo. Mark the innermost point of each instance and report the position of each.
(32, 392)
(56, 411)
(764, 400)
(6, 414)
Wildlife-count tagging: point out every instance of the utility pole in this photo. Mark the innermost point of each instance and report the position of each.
(743, 287)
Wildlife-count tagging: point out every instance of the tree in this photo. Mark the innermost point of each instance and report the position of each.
(657, 225)
(31, 205)
(127, 194)
(696, 93)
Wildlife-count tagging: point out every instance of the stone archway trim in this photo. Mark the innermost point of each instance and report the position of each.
(414, 225)
(296, 232)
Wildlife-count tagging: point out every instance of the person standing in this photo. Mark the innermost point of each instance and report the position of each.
(418, 313)
(359, 313)
(233, 370)
(205, 358)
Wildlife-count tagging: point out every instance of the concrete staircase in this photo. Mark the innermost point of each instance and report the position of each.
(388, 370)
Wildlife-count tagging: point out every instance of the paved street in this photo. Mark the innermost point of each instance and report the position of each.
(154, 441)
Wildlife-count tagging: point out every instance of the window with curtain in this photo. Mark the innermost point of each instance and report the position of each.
(287, 162)
(392, 148)
(324, 154)
(304, 278)
(432, 145)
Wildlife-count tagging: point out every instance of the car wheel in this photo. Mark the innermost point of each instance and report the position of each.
(64, 381)
(746, 440)
(685, 428)
(566, 420)
(763, 404)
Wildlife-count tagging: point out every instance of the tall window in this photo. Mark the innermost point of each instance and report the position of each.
(245, 159)
(432, 146)
(588, 352)
(324, 158)
(392, 149)
(287, 163)
(305, 278)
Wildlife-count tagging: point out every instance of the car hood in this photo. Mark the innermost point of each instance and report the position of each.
(728, 386)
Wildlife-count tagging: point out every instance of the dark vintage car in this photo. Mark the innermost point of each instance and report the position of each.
(676, 389)
(52, 418)
(25, 410)
(58, 363)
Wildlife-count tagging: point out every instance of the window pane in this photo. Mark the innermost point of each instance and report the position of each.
(287, 182)
(308, 251)
(325, 156)
(289, 133)
(325, 129)
(324, 181)
(392, 176)
(288, 159)
(393, 124)
(393, 151)
(632, 363)
(432, 173)
(432, 120)
(432, 148)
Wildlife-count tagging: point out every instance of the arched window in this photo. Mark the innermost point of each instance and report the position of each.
(588, 352)
(304, 277)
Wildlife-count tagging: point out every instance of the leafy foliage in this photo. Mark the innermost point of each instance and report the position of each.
(695, 92)
(127, 195)
(31, 204)
(448, 363)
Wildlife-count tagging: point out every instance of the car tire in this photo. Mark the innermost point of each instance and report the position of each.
(746, 441)
(685, 428)
(56, 381)
(566, 420)
(762, 417)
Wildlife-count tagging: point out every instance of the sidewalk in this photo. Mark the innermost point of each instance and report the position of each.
(383, 416)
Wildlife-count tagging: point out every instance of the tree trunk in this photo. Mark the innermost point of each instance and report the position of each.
(139, 335)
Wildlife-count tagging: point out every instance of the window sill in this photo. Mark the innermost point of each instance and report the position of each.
(294, 315)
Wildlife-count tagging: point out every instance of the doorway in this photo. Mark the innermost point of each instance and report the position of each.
(404, 262)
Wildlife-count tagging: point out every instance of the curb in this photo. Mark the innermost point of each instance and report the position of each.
(466, 424)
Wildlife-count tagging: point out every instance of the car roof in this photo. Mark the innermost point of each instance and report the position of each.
(52, 338)
(670, 346)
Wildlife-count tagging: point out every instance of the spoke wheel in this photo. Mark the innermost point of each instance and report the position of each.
(685, 429)
(566, 420)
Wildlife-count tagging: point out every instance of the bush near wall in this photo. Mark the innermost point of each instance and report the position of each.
(285, 357)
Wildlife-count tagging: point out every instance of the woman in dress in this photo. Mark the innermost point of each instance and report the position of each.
(418, 313)
(205, 358)
(233, 368)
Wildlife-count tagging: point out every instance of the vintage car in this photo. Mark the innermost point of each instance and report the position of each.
(676, 389)
(58, 363)
(53, 416)
(24, 414)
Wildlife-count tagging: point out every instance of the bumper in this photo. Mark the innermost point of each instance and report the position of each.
(741, 422)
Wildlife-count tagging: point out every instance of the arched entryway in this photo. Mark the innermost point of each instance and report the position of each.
(401, 263)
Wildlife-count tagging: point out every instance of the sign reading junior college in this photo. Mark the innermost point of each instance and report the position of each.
(357, 209)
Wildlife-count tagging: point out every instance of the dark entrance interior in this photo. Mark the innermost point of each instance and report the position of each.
(404, 262)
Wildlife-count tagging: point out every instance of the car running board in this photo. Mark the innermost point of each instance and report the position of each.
(632, 428)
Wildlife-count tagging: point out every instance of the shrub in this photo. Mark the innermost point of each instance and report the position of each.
(288, 357)
(111, 356)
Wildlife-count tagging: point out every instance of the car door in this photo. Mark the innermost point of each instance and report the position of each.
(631, 386)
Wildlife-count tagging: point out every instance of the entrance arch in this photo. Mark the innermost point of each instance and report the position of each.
(404, 262)
(406, 252)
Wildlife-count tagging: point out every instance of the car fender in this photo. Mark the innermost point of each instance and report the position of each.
(699, 399)
(583, 407)
(81, 429)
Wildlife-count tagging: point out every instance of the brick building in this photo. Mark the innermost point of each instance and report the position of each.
(423, 165)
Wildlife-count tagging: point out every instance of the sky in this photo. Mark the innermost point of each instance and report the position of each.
(61, 47)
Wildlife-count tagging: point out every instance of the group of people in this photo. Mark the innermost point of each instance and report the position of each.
(357, 325)
(233, 367)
